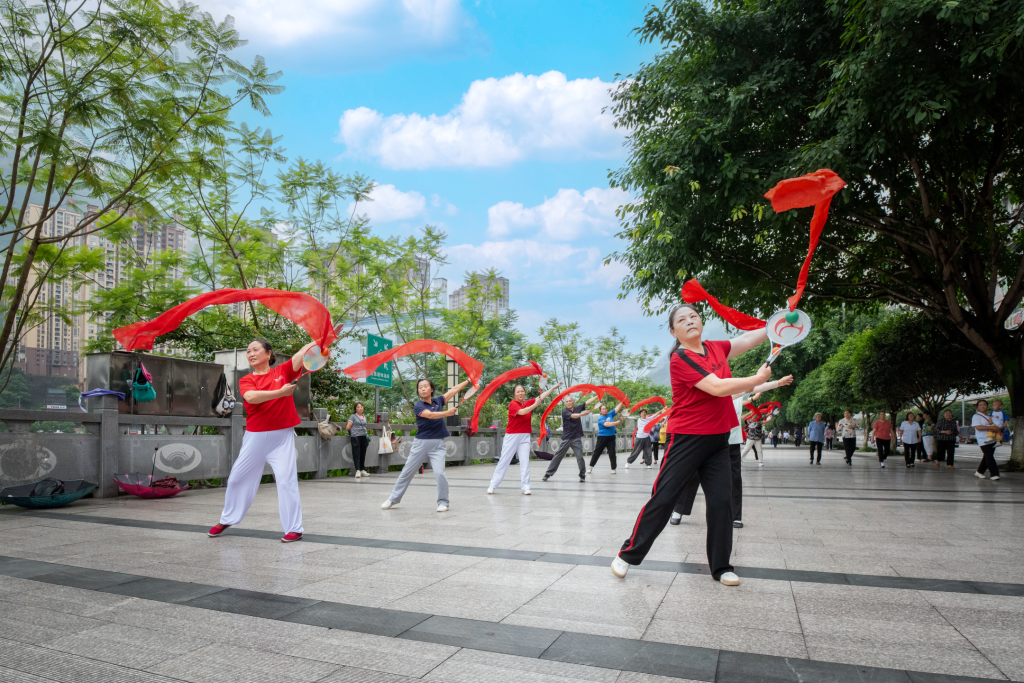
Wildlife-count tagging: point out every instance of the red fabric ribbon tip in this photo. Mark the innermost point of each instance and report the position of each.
(693, 293)
(301, 309)
(525, 371)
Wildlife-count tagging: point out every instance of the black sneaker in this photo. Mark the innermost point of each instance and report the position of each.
(675, 520)
(545, 478)
(582, 478)
(737, 524)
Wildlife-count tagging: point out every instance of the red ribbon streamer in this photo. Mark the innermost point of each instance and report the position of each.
(525, 371)
(759, 411)
(473, 368)
(693, 293)
(599, 389)
(814, 189)
(301, 309)
(652, 399)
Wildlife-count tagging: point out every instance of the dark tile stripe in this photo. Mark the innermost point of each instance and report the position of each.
(906, 582)
(662, 659)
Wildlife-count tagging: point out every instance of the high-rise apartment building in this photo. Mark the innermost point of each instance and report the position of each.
(496, 299)
(439, 288)
(53, 347)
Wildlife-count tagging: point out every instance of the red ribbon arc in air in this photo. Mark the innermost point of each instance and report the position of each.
(814, 189)
(693, 293)
(585, 388)
(301, 309)
(473, 368)
(647, 401)
(516, 373)
(759, 411)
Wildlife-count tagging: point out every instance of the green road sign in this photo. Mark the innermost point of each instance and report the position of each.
(381, 377)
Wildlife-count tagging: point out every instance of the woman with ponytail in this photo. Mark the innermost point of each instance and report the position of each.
(270, 420)
(698, 429)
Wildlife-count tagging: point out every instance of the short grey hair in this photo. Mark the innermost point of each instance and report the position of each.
(817, 415)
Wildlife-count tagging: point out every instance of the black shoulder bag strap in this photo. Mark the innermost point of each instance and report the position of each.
(689, 361)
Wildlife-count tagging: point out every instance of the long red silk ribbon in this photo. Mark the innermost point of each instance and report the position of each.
(814, 189)
(585, 388)
(693, 293)
(473, 368)
(516, 373)
(646, 401)
(301, 309)
(759, 411)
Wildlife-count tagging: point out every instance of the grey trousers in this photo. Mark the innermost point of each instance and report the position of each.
(642, 446)
(563, 448)
(418, 454)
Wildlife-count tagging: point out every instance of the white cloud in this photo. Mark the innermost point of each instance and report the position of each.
(565, 216)
(391, 204)
(346, 32)
(498, 122)
(519, 259)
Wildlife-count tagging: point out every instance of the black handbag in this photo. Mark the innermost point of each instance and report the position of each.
(48, 487)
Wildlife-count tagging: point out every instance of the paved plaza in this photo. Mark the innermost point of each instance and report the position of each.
(848, 574)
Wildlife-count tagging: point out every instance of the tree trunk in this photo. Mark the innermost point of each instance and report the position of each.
(1013, 376)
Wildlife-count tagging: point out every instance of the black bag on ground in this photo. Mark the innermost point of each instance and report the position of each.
(48, 487)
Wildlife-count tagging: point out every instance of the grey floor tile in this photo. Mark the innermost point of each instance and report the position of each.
(481, 635)
(162, 590)
(251, 603)
(737, 667)
(629, 655)
(375, 620)
(90, 579)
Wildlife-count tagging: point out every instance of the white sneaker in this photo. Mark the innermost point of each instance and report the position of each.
(387, 505)
(490, 489)
(613, 471)
(993, 478)
(358, 474)
(442, 508)
(365, 473)
(620, 567)
(760, 464)
(526, 492)
(589, 470)
(627, 465)
(979, 475)
(730, 579)
(648, 467)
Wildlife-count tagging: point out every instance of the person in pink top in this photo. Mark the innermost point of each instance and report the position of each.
(881, 432)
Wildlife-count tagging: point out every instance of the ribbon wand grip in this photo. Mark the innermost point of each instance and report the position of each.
(776, 350)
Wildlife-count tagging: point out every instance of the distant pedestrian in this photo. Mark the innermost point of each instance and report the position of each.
(985, 427)
(657, 434)
(910, 435)
(921, 455)
(816, 436)
(928, 438)
(946, 433)
(798, 436)
(881, 432)
(356, 427)
(775, 438)
(830, 435)
(847, 429)
(785, 437)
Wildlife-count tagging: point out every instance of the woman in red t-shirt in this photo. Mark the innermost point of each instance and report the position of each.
(517, 438)
(270, 420)
(698, 442)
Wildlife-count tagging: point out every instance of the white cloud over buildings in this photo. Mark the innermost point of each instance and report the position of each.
(390, 204)
(498, 122)
(566, 216)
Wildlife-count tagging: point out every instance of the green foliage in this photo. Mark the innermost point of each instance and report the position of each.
(62, 426)
(916, 105)
(16, 394)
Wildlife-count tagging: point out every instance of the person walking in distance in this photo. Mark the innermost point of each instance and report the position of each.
(572, 436)
(816, 436)
(431, 432)
(517, 438)
(656, 440)
(928, 438)
(986, 427)
(642, 438)
(830, 435)
(847, 429)
(755, 434)
(703, 415)
(606, 425)
(881, 432)
(910, 435)
(356, 427)
(270, 419)
(798, 436)
(946, 433)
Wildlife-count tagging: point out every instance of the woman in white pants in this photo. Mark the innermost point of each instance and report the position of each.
(517, 438)
(270, 420)
(431, 432)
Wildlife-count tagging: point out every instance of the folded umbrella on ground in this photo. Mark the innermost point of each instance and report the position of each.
(544, 455)
(47, 493)
(145, 486)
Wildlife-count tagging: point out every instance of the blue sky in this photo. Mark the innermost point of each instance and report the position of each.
(480, 117)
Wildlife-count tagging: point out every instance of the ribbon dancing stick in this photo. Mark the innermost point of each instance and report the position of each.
(472, 367)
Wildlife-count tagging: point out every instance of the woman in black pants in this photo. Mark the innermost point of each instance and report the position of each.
(946, 433)
(702, 417)
(356, 427)
(605, 436)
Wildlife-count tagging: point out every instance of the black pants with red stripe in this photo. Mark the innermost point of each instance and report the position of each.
(684, 506)
(687, 454)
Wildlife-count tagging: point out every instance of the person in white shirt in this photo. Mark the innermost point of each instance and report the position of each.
(642, 439)
(847, 429)
(910, 435)
(985, 428)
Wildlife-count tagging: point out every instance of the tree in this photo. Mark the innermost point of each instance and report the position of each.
(16, 394)
(101, 104)
(916, 105)
(565, 346)
(608, 362)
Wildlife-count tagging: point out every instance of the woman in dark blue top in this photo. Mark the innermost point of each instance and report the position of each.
(429, 443)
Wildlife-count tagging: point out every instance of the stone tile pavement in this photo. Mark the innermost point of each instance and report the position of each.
(862, 574)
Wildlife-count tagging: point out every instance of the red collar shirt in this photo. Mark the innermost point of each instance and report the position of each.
(695, 411)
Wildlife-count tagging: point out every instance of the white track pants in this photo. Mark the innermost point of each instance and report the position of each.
(258, 448)
(513, 444)
(756, 445)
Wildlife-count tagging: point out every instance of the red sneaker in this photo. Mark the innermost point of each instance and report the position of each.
(291, 536)
(217, 530)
